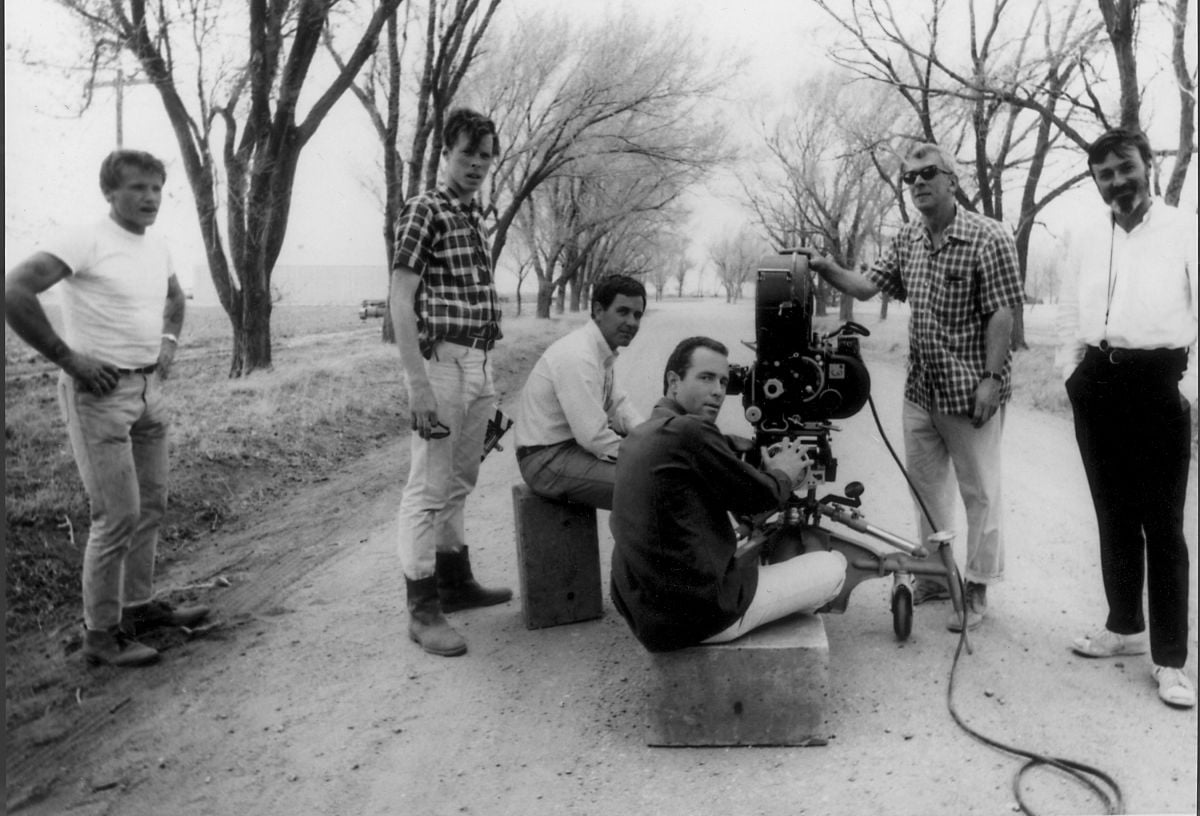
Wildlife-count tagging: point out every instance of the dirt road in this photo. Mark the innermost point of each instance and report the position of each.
(311, 700)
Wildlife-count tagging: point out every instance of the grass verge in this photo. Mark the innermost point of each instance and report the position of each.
(334, 392)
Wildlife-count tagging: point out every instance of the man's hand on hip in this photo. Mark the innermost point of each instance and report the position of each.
(92, 375)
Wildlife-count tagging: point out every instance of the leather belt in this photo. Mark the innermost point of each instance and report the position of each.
(150, 369)
(526, 450)
(1124, 356)
(470, 342)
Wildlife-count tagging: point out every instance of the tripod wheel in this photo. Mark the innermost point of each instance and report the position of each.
(902, 610)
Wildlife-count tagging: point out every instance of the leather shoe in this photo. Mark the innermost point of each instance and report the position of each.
(975, 601)
(929, 590)
(142, 618)
(112, 647)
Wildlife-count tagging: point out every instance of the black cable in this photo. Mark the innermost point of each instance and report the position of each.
(1080, 772)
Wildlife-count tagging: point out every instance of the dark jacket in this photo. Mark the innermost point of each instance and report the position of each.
(674, 575)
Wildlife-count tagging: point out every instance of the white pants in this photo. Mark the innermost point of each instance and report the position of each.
(120, 446)
(934, 442)
(443, 471)
(801, 584)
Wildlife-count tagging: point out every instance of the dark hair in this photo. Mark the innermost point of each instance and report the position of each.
(472, 123)
(681, 358)
(114, 165)
(1119, 141)
(605, 290)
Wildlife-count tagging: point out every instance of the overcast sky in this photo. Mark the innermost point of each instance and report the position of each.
(51, 156)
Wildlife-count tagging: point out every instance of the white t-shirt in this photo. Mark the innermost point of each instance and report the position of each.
(113, 300)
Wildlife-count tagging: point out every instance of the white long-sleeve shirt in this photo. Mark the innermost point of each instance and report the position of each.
(571, 394)
(1144, 280)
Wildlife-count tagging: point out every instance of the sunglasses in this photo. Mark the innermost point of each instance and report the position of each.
(926, 173)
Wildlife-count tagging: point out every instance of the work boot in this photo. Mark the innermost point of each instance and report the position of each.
(457, 587)
(141, 618)
(112, 647)
(975, 600)
(426, 623)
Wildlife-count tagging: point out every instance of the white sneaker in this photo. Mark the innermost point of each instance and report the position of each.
(1174, 687)
(1110, 644)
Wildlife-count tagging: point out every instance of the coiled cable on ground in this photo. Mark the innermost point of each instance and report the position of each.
(1090, 777)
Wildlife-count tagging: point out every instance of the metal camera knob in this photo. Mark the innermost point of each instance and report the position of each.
(753, 414)
(772, 388)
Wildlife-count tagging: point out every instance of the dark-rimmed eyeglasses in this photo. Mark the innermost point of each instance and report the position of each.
(927, 173)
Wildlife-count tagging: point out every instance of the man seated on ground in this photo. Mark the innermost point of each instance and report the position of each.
(675, 577)
(572, 416)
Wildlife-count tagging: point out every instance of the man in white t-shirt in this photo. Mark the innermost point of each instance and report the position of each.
(122, 312)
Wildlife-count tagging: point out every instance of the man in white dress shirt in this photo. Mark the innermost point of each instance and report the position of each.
(1127, 323)
(572, 416)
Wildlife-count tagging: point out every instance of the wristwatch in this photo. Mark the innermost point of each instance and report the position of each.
(991, 375)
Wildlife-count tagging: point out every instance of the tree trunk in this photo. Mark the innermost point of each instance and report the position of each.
(846, 308)
(545, 296)
(1120, 20)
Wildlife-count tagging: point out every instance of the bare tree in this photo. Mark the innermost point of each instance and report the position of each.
(563, 94)
(1122, 24)
(452, 35)
(680, 276)
(821, 181)
(1013, 82)
(735, 258)
(186, 47)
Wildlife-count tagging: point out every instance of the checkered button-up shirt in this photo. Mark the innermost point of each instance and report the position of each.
(951, 292)
(442, 240)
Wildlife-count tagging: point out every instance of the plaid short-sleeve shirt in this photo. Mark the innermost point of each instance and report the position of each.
(951, 291)
(442, 240)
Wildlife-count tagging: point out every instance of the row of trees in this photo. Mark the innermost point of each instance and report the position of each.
(605, 127)
(602, 128)
(1015, 88)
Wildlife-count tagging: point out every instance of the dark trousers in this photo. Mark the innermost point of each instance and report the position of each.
(1134, 434)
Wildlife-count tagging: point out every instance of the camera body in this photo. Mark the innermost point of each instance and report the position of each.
(799, 380)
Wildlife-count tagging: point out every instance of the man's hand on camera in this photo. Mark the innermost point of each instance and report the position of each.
(789, 457)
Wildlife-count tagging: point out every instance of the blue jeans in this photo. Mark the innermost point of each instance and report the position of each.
(443, 472)
(120, 446)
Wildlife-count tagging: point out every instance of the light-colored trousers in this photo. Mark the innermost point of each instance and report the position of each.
(443, 471)
(940, 447)
(801, 584)
(120, 446)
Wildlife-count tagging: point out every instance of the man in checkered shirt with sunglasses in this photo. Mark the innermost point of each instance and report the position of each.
(447, 318)
(958, 271)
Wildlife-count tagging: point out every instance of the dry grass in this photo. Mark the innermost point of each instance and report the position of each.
(335, 392)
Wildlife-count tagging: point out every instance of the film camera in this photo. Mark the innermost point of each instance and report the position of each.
(799, 380)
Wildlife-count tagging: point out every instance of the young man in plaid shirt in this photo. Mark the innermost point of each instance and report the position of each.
(447, 318)
(958, 271)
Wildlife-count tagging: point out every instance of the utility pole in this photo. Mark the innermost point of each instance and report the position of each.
(119, 83)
